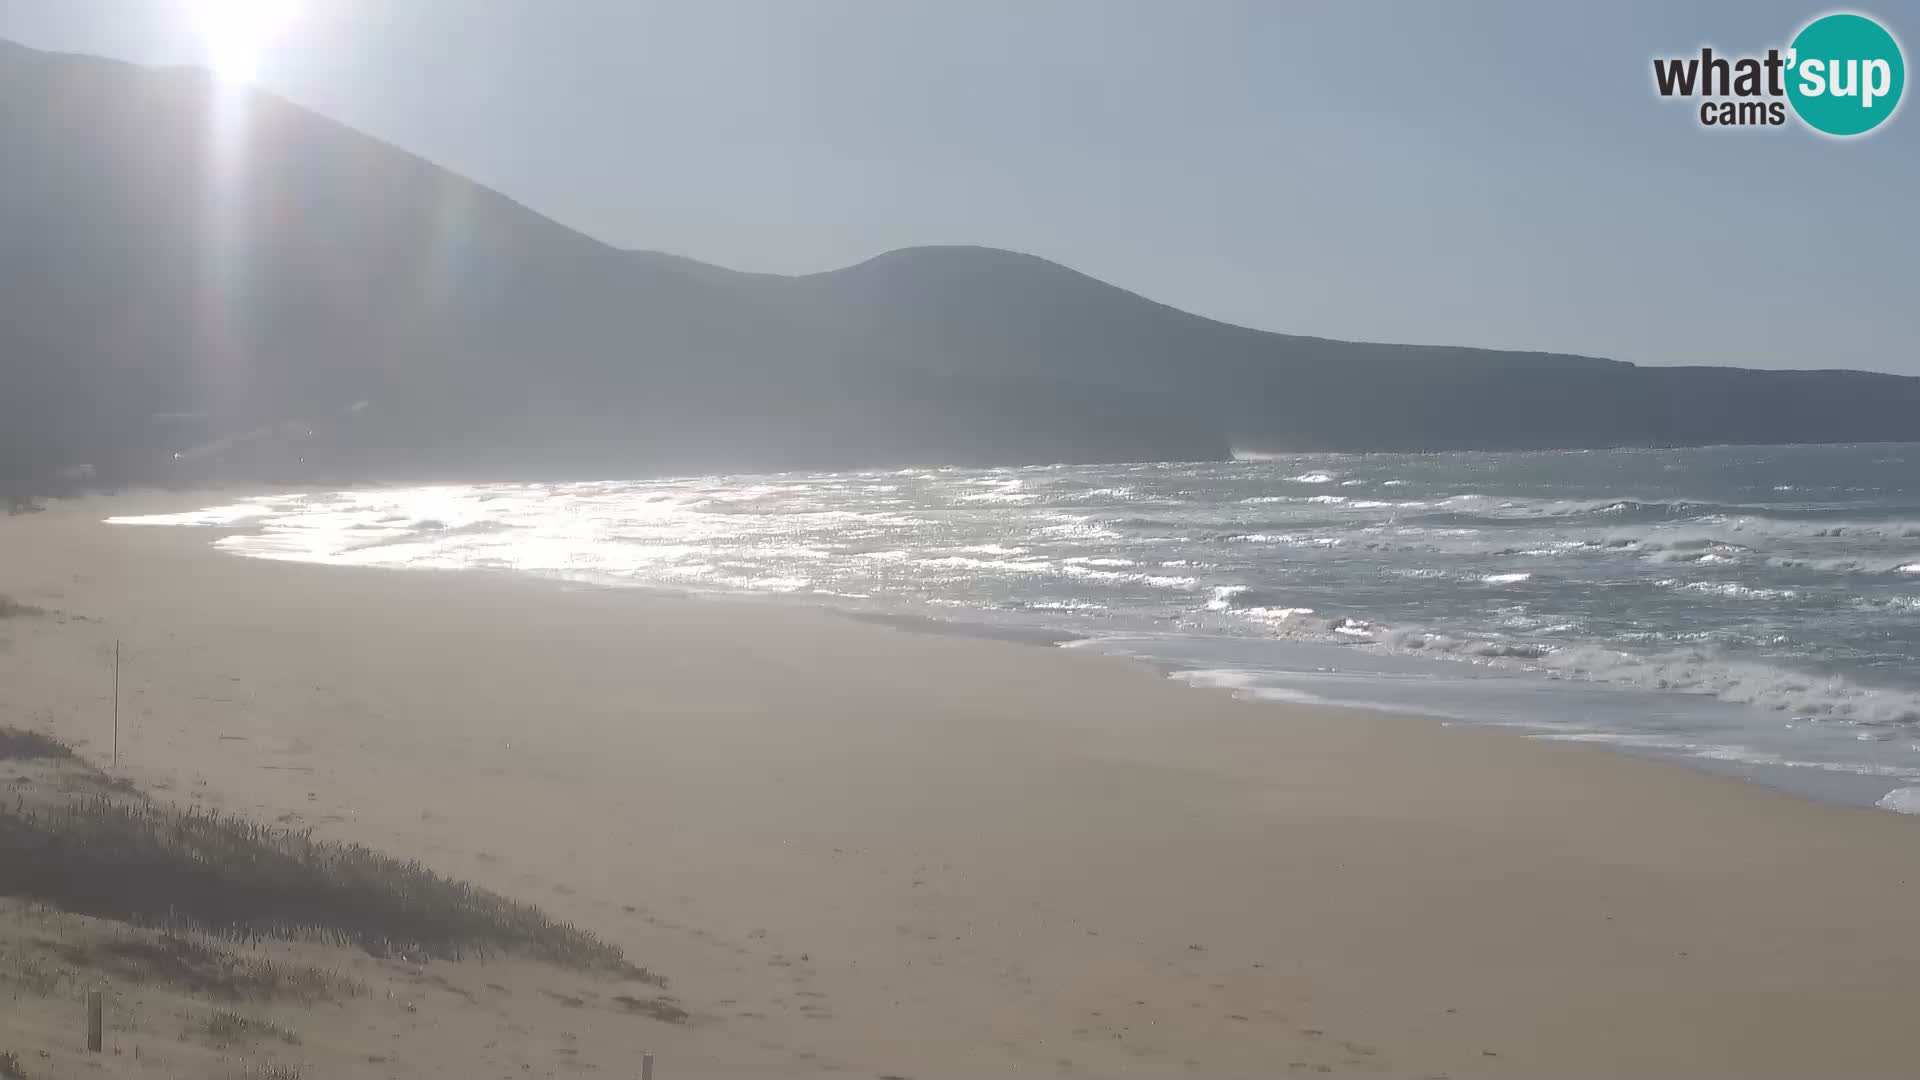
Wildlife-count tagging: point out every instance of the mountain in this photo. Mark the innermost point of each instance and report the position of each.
(201, 283)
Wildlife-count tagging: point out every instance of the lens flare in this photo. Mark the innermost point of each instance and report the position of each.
(238, 33)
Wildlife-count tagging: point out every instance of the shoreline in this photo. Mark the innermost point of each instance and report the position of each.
(934, 855)
(1705, 731)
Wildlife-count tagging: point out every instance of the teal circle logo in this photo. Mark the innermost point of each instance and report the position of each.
(1845, 74)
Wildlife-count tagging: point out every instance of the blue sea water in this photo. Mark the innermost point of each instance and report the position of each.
(1754, 609)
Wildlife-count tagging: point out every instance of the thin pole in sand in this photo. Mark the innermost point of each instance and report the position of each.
(116, 703)
(646, 1066)
(93, 1021)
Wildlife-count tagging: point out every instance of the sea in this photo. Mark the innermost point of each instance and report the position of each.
(1753, 610)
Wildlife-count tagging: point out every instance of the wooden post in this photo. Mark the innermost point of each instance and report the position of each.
(116, 703)
(646, 1066)
(93, 1021)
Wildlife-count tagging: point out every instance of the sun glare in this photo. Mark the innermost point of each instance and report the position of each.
(239, 32)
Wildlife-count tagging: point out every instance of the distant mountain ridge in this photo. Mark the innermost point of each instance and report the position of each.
(199, 286)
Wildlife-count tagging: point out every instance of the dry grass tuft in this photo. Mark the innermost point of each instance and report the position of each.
(17, 745)
(664, 1009)
(30, 973)
(198, 869)
(14, 609)
(204, 969)
(230, 1028)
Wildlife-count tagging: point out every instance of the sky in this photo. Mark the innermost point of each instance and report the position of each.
(1490, 174)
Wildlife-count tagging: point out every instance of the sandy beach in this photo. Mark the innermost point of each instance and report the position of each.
(860, 850)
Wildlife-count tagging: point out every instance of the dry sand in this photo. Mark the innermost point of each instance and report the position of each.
(857, 849)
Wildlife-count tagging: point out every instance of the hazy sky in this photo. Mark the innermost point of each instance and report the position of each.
(1480, 174)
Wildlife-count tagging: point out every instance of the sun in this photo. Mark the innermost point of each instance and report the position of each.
(238, 33)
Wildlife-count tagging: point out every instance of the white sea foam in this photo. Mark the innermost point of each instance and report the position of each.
(1691, 555)
(1229, 597)
(965, 562)
(1273, 614)
(1904, 800)
(1895, 603)
(1733, 590)
(1074, 606)
(1850, 565)
(212, 516)
(1428, 643)
(894, 555)
(1001, 497)
(1743, 682)
(1296, 539)
(1634, 740)
(1157, 581)
(1741, 755)
(1753, 531)
(1080, 528)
